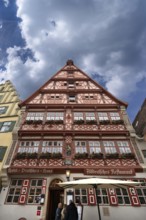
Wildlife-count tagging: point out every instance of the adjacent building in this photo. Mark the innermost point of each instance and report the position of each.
(73, 128)
(9, 113)
(139, 125)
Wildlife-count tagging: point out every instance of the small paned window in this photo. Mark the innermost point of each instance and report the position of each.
(28, 147)
(90, 116)
(78, 116)
(70, 85)
(144, 153)
(80, 147)
(2, 152)
(109, 147)
(3, 110)
(55, 116)
(81, 195)
(35, 116)
(103, 116)
(103, 196)
(122, 196)
(34, 191)
(7, 126)
(52, 147)
(14, 191)
(124, 147)
(72, 98)
(114, 116)
(94, 147)
(141, 191)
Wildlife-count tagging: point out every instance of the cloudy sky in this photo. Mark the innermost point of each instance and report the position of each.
(105, 38)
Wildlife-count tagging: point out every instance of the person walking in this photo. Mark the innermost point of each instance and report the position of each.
(58, 211)
(71, 212)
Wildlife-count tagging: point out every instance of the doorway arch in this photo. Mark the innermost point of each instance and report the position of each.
(56, 195)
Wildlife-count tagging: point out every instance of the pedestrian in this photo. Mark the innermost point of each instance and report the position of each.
(79, 209)
(71, 212)
(58, 211)
(63, 212)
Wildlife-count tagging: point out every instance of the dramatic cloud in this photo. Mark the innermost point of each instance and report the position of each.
(106, 40)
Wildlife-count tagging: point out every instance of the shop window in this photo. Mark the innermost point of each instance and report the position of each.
(2, 152)
(81, 195)
(102, 196)
(14, 191)
(34, 191)
(7, 126)
(141, 191)
(122, 196)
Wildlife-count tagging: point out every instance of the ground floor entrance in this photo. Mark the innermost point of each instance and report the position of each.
(56, 195)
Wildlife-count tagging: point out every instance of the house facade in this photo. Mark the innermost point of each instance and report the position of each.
(9, 114)
(73, 128)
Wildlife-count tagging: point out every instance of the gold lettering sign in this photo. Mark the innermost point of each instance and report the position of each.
(112, 171)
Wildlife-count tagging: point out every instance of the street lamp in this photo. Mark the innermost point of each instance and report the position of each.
(68, 175)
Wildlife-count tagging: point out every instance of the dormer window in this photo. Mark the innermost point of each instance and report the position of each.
(72, 98)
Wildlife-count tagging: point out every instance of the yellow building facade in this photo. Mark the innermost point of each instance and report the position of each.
(9, 115)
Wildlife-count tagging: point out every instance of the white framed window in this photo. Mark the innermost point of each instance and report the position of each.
(35, 116)
(52, 146)
(3, 109)
(109, 147)
(124, 147)
(90, 116)
(80, 147)
(72, 98)
(114, 116)
(103, 196)
(78, 116)
(94, 147)
(81, 195)
(28, 147)
(71, 85)
(14, 191)
(7, 126)
(55, 116)
(103, 116)
(34, 191)
(123, 196)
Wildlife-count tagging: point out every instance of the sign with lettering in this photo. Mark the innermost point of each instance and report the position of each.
(112, 171)
(30, 170)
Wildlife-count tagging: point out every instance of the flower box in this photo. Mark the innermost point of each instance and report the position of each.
(96, 155)
(29, 122)
(21, 155)
(127, 156)
(104, 122)
(56, 155)
(59, 122)
(32, 155)
(46, 155)
(115, 122)
(81, 155)
(92, 122)
(112, 156)
(79, 122)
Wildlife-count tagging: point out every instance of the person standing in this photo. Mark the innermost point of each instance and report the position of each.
(63, 212)
(58, 211)
(79, 210)
(71, 212)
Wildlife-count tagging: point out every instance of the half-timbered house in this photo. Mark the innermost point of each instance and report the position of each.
(72, 125)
